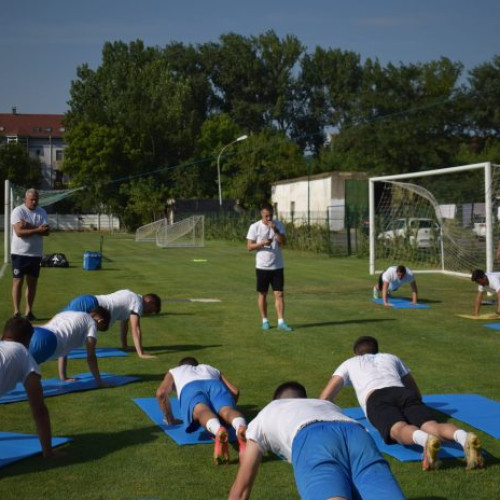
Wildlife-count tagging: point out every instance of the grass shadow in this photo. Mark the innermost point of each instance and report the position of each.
(180, 347)
(85, 447)
(337, 323)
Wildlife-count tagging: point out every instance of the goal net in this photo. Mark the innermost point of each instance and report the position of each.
(188, 232)
(443, 220)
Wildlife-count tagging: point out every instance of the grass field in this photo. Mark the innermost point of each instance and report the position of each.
(117, 453)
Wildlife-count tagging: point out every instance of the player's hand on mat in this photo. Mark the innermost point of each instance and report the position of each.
(55, 454)
(104, 385)
(69, 379)
(173, 421)
(388, 304)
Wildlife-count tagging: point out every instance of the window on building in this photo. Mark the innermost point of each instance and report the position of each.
(39, 152)
(59, 155)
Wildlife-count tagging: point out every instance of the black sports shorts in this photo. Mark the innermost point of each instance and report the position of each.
(274, 277)
(390, 405)
(23, 265)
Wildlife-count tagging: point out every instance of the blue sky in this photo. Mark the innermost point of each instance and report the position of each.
(43, 43)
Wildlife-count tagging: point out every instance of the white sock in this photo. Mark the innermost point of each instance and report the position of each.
(460, 436)
(281, 321)
(213, 425)
(264, 320)
(238, 422)
(420, 437)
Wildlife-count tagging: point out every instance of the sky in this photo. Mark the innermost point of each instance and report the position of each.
(43, 43)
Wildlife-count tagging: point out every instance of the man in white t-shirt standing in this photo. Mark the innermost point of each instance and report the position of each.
(204, 394)
(487, 282)
(391, 279)
(29, 226)
(333, 457)
(66, 331)
(124, 306)
(391, 400)
(266, 237)
(17, 365)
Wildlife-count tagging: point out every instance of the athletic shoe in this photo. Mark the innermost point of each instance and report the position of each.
(17, 315)
(284, 327)
(375, 293)
(30, 317)
(472, 450)
(221, 447)
(241, 435)
(431, 449)
(266, 325)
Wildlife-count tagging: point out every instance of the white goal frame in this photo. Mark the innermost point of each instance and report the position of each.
(486, 167)
(186, 233)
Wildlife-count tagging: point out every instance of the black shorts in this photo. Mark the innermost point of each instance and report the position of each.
(23, 265)
(385, 407)
(275, 278)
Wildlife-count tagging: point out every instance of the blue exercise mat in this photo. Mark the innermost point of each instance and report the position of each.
(54, 387)
(100, 352)
(494, 326)
(477, 411)
(151, 408)
(15, 446)
(400, 452)
(401, 304)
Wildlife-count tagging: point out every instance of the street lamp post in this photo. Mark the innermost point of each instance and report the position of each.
(242, 138)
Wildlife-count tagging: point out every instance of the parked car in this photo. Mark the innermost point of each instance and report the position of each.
(420, 232)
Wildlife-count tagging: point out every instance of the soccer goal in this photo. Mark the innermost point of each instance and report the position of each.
(188, 232)
(443, 220)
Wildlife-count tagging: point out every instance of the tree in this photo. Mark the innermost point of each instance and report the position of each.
(18, 167)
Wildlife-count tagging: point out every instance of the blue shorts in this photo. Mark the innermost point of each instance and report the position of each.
(43, 344)
(340, 459)
(24, 265)
(212, 393)
(82, 303)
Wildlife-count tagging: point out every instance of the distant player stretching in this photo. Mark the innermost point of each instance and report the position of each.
(391, 279)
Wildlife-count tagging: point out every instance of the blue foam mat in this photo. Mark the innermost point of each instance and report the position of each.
(477, 411)
(402, 453)
(15, 446)
(401, 304)
(494, 326)
(151, 408)
(100, 352)
(54, 387)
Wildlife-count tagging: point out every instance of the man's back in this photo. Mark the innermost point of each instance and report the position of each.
(370, 372)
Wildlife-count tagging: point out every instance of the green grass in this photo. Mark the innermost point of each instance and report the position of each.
(117, 453)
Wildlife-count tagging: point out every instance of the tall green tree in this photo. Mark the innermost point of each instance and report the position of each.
(18, 167)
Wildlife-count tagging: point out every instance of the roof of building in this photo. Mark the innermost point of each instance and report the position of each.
(30, 125)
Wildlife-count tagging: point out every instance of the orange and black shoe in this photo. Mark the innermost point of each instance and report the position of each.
(242, 439)
(221, 447)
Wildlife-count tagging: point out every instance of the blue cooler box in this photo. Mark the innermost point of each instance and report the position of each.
(92, 261)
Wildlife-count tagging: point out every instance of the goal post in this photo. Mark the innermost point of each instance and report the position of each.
(189, 232)
(441, 220)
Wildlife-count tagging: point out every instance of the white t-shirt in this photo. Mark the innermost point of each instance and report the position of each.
(16, 363)
(493, 283)
(71, 329)
(370, 372)
(31, 246)
(268, 257)
(391, 277)
(186, 373)
(276, 426)
(121, 304)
